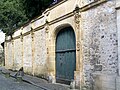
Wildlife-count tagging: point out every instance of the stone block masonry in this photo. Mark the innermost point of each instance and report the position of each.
(96, 27)
(100, 41)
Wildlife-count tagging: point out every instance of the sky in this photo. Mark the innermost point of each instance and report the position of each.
(2, 36)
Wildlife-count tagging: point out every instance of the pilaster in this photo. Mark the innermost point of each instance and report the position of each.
(13, 66)
(79, 63)
(33, 50)
(22, 51)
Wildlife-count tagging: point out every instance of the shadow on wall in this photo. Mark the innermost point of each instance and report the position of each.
(2, 44)
(2, 59)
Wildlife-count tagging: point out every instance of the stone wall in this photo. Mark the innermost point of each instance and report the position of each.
(97, 48)
(118, 30)
(17, 54)
(1, 56)
(40, 63)
(9, 53)
(86, 2)
(27, 53)
(99, 41)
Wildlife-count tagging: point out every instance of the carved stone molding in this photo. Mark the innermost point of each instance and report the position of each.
(12, 42)
(32, 34)
(21, 37)
(47, 27)
(47, 51)
(77, 17)
(78, 45)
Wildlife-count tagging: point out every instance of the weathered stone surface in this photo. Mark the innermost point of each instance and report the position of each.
(98, 67)
(118, 31)
(86, 2)
(97, 43)
(9, 55)
(40, 64)
(118, 83)
(105, 82)
(100, 40)
(27, 53)
(17, 54)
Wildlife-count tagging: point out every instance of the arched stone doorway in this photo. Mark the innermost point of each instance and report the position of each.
(65, 55)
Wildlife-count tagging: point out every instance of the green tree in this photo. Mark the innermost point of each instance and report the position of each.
(12, 15)
(34, 8)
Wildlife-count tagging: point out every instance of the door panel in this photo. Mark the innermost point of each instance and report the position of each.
(65, 54)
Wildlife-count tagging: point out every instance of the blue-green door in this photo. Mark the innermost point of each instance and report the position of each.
(65, 54)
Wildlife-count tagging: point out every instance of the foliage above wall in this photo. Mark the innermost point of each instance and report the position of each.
(14, 13)
(11, 15)
(34, 8)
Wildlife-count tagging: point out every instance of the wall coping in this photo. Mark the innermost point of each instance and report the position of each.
(70, 14)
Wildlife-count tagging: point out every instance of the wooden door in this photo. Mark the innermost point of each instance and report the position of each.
(65, 55)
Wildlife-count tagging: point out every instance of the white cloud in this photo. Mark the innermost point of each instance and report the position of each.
(2, 36)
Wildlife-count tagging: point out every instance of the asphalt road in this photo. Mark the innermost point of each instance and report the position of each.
(8, 83)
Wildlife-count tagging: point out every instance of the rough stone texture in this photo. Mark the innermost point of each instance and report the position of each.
(118, 83)
(9, 62)
(27, 55)
(27, 28)
(86, 2)
(40, 64)
(100, 40)
(105, 82)
(17, 54)
(117, 3)
(58, 11)
(96, 43)
(118, 31)
(39, 22)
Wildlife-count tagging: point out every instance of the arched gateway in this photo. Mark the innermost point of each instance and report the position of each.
(65, 55)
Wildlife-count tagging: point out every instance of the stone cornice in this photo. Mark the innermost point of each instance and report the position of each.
(70, 14)
(37, 18)
(61, 18)
(47, 10)
(92, 5)
(17, 37)
(38, 28)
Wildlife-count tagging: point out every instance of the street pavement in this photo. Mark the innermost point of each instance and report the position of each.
(26, 82)
(9, 83)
